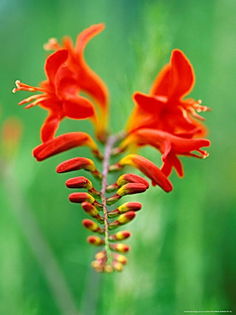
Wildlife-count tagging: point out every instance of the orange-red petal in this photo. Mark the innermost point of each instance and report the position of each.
(149, 169)
(63, 143)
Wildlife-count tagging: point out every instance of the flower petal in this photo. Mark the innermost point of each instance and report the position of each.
(176, 79)
(182, 76)
(78, 107)
(89, 81)
(49, 127)
(53, 63)
(149, 169)
(63, 143)
(162, 81)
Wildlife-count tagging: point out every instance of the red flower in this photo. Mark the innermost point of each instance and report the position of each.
(165, 109)
(87, 80)
(169, 145)
(58, 95)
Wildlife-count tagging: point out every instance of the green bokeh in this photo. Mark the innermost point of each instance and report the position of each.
(183, 244)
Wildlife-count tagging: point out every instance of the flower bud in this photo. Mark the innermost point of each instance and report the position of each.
(120, 258)
(77, 164)
(131, 188)
(121, 235)
(81, 197)
(121, 248)
(79, 182)
(95, 240)
(92, 226)
(131, 178)
(122, 219)
(117, 266)
(92, 211)
(128, 206)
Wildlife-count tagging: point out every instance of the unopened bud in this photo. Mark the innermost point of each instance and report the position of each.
(92, 226)
(79, 182)
(78, 163)
(122, 248)
(117, 265)
(131, 178)
(128, 206)
(92, 211)
(95, 240)
(121, 235)
(81, 197)
(122, 219)
(120, 258)
(131, 188)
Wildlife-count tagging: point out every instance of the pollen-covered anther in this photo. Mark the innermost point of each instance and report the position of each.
(122, 219)
(95, 240)
(119, 236)
(91, 210)
(121, 248)
(77, 164)
(52, 44)
(92, 226)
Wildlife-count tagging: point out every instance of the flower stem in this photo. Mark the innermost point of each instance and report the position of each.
(105, 170)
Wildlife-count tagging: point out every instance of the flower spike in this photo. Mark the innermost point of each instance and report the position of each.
(164, 119)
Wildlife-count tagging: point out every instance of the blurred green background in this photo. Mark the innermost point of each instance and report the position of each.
(183, 244)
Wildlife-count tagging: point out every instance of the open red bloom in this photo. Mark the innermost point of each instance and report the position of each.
(164, 108)
(87, 80)
(58, 95)
(169, 145)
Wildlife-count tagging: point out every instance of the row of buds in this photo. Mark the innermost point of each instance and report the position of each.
(126, 184)
(114, 260)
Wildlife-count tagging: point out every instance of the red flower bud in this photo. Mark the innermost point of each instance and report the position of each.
(131, 178)
(95, 240)
(77, 164)
(120, 258)
(131, 188)
(122, 219)
(92, 211)
(121, 235)
(92, 226)
(79, 182)
(128, 206)
(122, 248)
(81, 197)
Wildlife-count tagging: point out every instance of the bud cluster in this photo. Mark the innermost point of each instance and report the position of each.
(105, 221)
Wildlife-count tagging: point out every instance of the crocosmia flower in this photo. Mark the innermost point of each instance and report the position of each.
(87, 80)
(164, 119)
(67, 76)
(166, 108)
